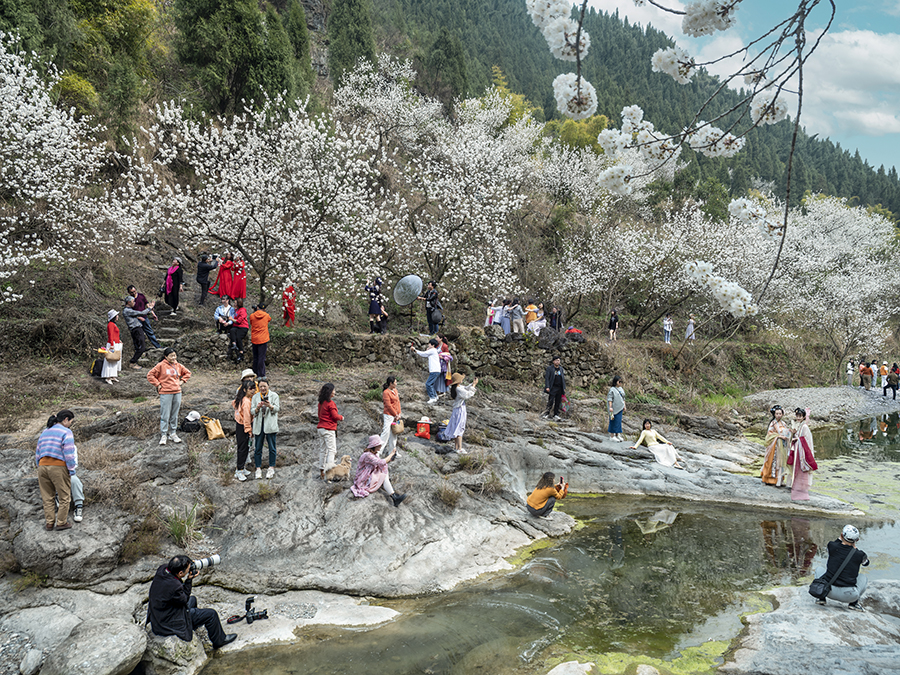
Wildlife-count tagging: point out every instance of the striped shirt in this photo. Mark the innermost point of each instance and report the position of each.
(57, 442)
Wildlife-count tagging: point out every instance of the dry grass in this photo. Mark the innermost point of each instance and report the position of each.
(475, 461)
(493, 485)
(447, 494)
(143, 538)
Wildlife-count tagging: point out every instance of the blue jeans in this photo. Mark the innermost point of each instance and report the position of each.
(148, 331)
(169, 409)
(257, 451)
(667, 336)
(431, 383)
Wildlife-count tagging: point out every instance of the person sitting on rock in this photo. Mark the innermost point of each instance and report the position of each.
(172, 609)
(372, 473)
(663, 451)
(541, 502)
(224, 316)
(849, 586)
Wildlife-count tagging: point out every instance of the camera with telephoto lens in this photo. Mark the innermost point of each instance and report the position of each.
(252, 615)
(203, 563)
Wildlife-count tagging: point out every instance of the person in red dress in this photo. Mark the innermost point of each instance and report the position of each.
(224, 279)
(239, 280)
(289, 305)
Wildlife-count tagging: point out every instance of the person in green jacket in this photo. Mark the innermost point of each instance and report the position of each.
(264, 407)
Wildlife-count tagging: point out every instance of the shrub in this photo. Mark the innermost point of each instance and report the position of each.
(448, 494)
(475, 462)
(492, 485)
(184, 527)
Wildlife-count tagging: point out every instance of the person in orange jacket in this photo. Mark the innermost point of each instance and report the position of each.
(259, 338)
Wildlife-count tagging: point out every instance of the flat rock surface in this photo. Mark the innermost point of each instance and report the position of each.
(828, 404)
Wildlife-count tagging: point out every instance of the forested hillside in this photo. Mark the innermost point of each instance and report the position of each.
(500, 33)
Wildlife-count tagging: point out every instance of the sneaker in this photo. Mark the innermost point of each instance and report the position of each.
(79, 511)
(821, 601)
(462, 451)
(240, 476)
(856, 607)
(258, 474)
(246, 473)
(175, 438)
(270, 472)
(163, 439)
(556, 418)
(398, 499)
(545, 416)
(174, 314)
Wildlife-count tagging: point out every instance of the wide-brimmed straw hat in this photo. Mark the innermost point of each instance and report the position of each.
(457, 378)
(247, 372)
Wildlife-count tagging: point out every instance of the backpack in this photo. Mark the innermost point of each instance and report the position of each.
(96, 367)
(191, 427)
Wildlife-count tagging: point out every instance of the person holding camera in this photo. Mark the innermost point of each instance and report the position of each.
(172, 610)
(264, 407)
(542, 500)
(259, 338)
(206, 265)
(847, 586)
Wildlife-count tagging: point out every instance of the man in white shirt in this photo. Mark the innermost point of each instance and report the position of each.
(434, 368)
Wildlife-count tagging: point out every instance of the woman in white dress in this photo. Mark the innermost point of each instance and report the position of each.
(689, 331)
(664, 452)
(110, 371)
(456, 426)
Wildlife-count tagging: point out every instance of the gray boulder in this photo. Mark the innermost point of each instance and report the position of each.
(173, 656)
(98, 647)
(31, 664)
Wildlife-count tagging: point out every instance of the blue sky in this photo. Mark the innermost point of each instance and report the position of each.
(851, 83)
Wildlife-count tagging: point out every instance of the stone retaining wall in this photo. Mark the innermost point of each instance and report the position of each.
(483, 352)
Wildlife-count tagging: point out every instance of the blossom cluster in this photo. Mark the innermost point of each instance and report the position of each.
(705, 17)
(767, 109)
(730, 296)
(674, 61)
(753, 213)
(574, 98)
(553, 18)
(713, 142)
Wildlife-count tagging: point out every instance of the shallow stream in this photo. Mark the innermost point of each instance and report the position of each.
(646, 580)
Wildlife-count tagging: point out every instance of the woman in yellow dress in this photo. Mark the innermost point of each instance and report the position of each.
(774, 470)
(663, 451)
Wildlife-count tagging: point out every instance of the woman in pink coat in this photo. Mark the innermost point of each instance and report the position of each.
(372, 473)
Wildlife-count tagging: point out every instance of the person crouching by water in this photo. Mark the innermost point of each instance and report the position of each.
(541, 502)
(172, 610)
(778, 438)
(849, 586)
(372, 473)
(802, 458)
(664, 452)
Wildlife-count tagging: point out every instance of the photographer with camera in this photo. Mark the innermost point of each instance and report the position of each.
(204, 267)
(173, 611)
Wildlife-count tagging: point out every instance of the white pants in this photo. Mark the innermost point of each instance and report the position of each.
(388, 437)
(386, 485)
(327, 448)
(883, 382)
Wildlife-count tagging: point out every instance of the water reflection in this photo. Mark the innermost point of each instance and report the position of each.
(877, 438)
(638, 578)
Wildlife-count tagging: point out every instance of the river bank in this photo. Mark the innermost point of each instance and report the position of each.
(294, 534)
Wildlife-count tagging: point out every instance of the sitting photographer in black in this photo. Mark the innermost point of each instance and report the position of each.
(173, 611)
(850, 584)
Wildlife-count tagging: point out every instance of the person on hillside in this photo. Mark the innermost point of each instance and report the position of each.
(802, 458)
(174, 284)
(327, 428)
(862, 380)
(554, 319)
(140, 304)
(206, 265)
(851, 368)
(502, 317)
(391, 414)
(433, 309)
(867, 375)
(615, 401)
(663, 451)
(668, 324)
(247, 374)
(530, 312)
(239, 281)
(539, 322)
(373, 288)
(489, 314)
(167, 376)
(434, 368)
(456, 427)
(110, 370)
(224, 280)
(554, 387)
(517, 317)
(883, 371)
(613, 326)
(443, 382)
(372, 473)
(224, 316)
(893, 382)
(289, 306)
(56, 461)
(243, 426)
(849, 585)
(778, 438)
(239, 328)
(264, 407)
(895, 368)
(132, 320)
(172, 610)
(259, 338)
(542, 500)
(689, 331)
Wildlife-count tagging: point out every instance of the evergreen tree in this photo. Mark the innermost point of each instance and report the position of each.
(445, 68)
(298, 34)
(349, 37)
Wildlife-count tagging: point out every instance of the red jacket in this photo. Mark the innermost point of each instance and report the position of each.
(240, 318)
(328, 416)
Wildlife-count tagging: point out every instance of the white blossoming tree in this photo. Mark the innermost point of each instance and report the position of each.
(48, 159)
(297, 197)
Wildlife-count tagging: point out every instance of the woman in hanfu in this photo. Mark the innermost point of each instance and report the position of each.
(802, 458)
(372, 473)
(443, 383)
(289, 305)
(778, 438)
(224, 277)
(239, 281)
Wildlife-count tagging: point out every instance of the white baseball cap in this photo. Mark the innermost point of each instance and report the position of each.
(850, 533)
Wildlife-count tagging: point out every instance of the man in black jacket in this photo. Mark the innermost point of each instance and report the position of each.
(850, 585)
(173, 611)
(554, 387)
(204, 267)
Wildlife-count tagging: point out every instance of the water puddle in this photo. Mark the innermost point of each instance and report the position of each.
(663, 580)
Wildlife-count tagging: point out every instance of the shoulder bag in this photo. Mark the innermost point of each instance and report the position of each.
(213, 428)
(820, 588)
